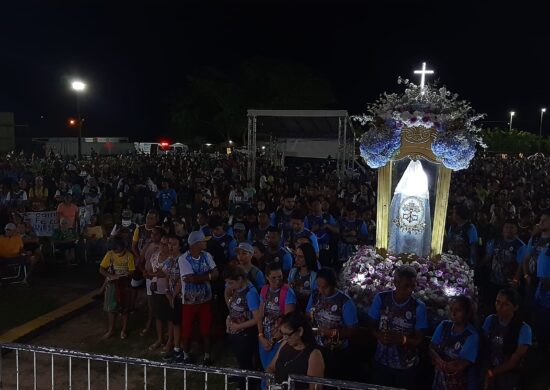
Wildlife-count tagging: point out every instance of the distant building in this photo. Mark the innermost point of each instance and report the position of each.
(7, 132)
(68, 146)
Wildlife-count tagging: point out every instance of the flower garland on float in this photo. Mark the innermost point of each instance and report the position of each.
(428, 106)
(369, 272)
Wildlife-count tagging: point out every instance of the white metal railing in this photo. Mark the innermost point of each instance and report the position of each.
(25, 366)
(330, 384)
(76, 367)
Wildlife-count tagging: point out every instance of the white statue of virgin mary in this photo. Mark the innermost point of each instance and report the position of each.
(410, 220)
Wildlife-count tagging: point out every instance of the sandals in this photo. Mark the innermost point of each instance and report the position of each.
(123, 335)
(144, 332)
(154, 346)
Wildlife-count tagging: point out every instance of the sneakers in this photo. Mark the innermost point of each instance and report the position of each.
(173, 357)
(188, 360)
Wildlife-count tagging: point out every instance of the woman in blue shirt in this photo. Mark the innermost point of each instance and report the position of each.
(334, 318)
(303, 276)
(454, 346)
(243, 303)
(508, 339)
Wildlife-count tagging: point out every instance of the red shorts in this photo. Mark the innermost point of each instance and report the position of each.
(188, 314)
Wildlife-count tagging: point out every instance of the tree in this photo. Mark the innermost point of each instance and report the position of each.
(213, 107)
(514, 141)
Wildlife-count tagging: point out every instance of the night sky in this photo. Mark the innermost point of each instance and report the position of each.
(136, 56)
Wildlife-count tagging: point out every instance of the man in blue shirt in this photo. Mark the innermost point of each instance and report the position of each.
(324, 226)
(298, 231)
(397, 322)
(166, 198)
(504, 256)
(537, 262)
(462, 237)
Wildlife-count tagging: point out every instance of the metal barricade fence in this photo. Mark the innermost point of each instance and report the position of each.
(331, 384)
(33, 367)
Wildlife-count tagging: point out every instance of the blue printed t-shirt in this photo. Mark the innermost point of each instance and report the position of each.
(242, 303)
(540, 247)
(334, 312)
(167, 198)
(497, 334)
(406, 318)
(525, 334)
(468, 350)
(506, 255)
(272, 309)
(542, 295)
(195, 293)
(259, 279)
(323, 235)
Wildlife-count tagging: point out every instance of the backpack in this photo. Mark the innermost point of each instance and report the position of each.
(282, 296)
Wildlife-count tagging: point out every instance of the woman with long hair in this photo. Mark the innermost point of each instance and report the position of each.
(334, 318)
(298, 354)
(454, 346)
(303, 276)
(508, 338)
(243, 303)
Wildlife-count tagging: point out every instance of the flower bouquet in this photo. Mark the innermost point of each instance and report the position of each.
(369, 272)
(454, 122)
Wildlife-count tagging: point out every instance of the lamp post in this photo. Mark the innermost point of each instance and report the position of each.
(512, 113)
(78, 86)
(542, 111)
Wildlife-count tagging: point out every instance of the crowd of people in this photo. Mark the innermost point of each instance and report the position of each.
(261, 259)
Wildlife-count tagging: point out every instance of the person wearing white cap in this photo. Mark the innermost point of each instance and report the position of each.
(245, 252)
(197, 270)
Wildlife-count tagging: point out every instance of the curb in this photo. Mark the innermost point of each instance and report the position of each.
(47, 321)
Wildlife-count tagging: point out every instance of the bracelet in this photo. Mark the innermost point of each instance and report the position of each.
(261, 334)
(404, 340)
(490, 373)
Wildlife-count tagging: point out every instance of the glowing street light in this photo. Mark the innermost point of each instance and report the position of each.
(512, 113)
(79, 87)
(208, 145)
(230, 142)
(542, 111)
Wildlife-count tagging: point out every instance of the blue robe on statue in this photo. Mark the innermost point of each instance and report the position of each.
(410, 219)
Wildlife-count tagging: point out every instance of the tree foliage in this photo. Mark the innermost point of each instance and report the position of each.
(213, 105)
(514, 141)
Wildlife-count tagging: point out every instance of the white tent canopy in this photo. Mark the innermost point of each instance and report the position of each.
(302, 124)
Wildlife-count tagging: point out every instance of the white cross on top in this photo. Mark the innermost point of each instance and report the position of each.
(423, 72)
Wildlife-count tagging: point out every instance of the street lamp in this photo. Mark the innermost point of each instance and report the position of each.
(79, 87)
(542, 111)
(512, 113)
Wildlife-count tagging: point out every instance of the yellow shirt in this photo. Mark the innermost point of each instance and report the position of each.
(10, 246)
(122, 264)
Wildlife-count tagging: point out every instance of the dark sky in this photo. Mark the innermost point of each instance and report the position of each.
(135, 56)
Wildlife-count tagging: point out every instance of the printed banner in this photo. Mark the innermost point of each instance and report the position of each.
(45, 222)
